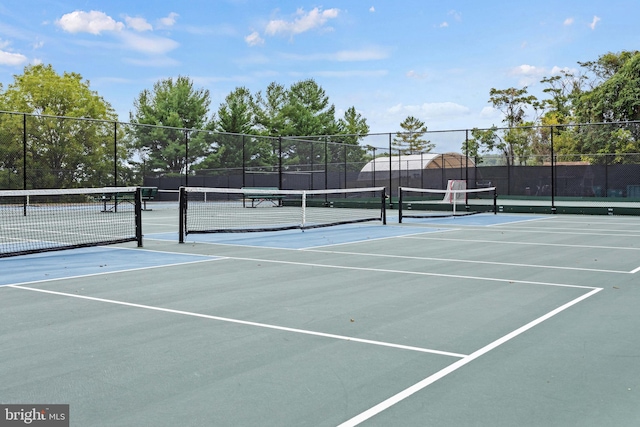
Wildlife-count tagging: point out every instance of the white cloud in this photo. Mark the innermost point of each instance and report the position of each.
(372, 9)
(302, 23)
(568, 21)
(12, 59)
(528, 74)
(93, 22)
(490, 113)
(596, 19)
(168, 21)
(138, 24)
(254, 39)
(148, 44)
(557, 70)
(445, 24)
(527, 70)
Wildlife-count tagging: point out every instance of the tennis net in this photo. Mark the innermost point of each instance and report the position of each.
(35, 221)
(224, 210)
(430, 203)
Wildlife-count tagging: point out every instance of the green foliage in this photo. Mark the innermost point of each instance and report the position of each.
(513, 103)
(410, 141)
(615, 99)
(353, 126)
(516, 142)
(270, 110)
(66, 153)
(174, 107)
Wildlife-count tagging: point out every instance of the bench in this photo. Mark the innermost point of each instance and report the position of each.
(146, 194)
(258, 195)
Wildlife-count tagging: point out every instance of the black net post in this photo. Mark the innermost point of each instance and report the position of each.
(400, 205)
(383, 195)
(182, 214)
(495, 200)
(138, 213)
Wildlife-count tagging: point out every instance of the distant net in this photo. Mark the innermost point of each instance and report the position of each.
(33, 221)
(223, 210)
(454, 201)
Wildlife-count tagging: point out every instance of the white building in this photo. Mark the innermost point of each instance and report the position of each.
(412, 166)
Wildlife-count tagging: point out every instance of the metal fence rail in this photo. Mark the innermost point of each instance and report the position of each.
(60, 152)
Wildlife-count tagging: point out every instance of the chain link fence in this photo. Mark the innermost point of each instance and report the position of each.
(538, 163)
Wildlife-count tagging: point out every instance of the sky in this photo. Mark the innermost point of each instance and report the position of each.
(433, 60)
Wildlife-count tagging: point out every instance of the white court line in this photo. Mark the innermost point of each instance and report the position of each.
(417, 233)
(456, 365)
(506, 242)
(572, 231)
(519, 221)
(242, 322)
(102, 273)
(552, 230)
(634, 271)
(417, 273)
(463, 261)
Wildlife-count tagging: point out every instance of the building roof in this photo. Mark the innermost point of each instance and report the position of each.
(417, 162)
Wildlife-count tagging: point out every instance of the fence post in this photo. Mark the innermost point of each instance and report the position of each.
(553, 175)
(421, 169)
(466, 158)
(244, 160)
(344, 147)
(280, 162)
(186, 157)
(24, 151)
(115, 154)
(390, 174)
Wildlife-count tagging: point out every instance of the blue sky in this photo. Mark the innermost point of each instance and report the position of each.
(435, 60)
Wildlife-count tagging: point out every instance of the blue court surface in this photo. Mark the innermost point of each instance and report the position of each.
(351, 233)
(85, 262)
(297, 239)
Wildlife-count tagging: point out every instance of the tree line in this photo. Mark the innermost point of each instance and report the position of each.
(606, 90)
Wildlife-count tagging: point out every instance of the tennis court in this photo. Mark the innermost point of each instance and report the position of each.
(501, 320)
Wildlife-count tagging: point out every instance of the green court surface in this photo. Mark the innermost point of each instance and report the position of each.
(487, 320)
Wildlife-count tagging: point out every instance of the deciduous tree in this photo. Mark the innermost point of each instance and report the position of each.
(67, 152)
